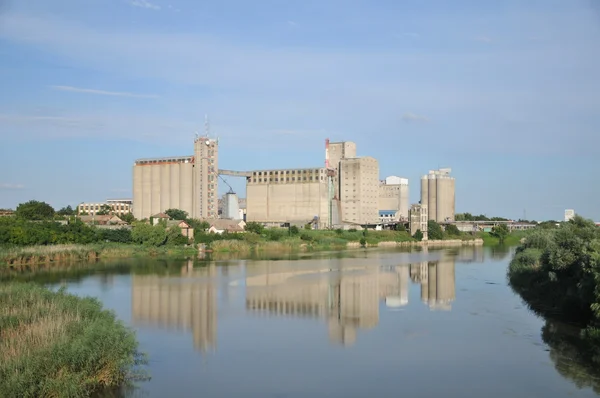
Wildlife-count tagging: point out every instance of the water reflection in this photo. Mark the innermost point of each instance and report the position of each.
(181, 304)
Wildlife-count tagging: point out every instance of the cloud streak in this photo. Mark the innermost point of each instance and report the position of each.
(144, 4)
(410, 117)
(103, 92)
(11, 187)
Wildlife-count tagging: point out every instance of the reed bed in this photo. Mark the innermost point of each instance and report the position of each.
(53, 344)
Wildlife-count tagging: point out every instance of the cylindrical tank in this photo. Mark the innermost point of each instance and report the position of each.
(146, 210)
(445, 198)
(165, 187)
(185, 188)
(432, 201)
(155, 190)
(138, 193)
(232, 208)
(174, 186)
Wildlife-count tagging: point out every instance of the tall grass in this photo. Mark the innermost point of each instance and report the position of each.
(53, 344)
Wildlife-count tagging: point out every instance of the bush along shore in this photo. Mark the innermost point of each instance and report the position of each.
(557, 272)
(53, 344)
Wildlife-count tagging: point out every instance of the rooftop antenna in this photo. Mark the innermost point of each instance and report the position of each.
(206, 126)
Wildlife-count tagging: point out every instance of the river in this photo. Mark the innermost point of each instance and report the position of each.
(372, 323)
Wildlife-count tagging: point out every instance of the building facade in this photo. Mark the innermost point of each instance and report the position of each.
(287, 196)
(117, 207)
(393, 195)
(418, 219)
(438, 194)
(359, 190)
(188, 183)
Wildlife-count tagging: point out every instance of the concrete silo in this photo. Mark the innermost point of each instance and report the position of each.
(232, 207)
(438, 194)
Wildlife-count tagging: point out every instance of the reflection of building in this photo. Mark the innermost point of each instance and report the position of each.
(348, 298)
(178, 303)
(437, 283)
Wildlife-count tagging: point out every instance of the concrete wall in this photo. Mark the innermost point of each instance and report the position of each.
(291, 195)
(359, 190)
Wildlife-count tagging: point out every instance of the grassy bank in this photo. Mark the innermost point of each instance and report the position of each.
(512, 239)
(53, 344)
(31, 256)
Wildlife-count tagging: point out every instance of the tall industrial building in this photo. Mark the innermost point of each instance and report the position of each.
(359, 190)
(345, 191)
(188, 183)
(437, 193)
(293, 195)
(393, 196)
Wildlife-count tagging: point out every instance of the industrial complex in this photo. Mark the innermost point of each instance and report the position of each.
(345, 192)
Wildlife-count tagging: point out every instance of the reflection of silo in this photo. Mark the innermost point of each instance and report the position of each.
(341, 334)
(424, 278)
(446, 284)
(432, 285)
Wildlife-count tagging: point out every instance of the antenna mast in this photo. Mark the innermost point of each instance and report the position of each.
(206, 126)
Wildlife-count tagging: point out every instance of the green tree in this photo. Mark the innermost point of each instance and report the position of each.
(177, 214)
(434, 230)
(400, 227)
(294, 230)
(255, 227)
(35, 211)
(104, 210)
(198, 225)
(127, 217)
(500, 231)
(452, 230)
(149, 235)
(418, 235)
(66, 211)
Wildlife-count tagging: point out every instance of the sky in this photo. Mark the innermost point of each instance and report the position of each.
(506, 93)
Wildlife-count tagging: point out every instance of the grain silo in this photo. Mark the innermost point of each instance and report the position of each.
(438, 194)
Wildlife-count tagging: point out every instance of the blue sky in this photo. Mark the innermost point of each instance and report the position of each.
(505, 93)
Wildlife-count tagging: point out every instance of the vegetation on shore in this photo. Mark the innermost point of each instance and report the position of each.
(557, 272)
(54, 344)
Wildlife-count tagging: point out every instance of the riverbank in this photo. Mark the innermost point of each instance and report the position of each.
(54, 344)
(557, 273)
(33, 256)
(18, 257)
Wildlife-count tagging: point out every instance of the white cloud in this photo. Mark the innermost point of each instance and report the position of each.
(102, 92)
(292, 24)
(483, 39)
(11, 187)
(144, 4)
(410, 117)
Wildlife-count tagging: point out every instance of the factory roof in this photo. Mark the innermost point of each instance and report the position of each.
(165, 159)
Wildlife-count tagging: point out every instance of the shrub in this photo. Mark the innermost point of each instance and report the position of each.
(56, 344)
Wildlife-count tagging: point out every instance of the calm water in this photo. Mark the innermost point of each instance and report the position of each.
(361, 324)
